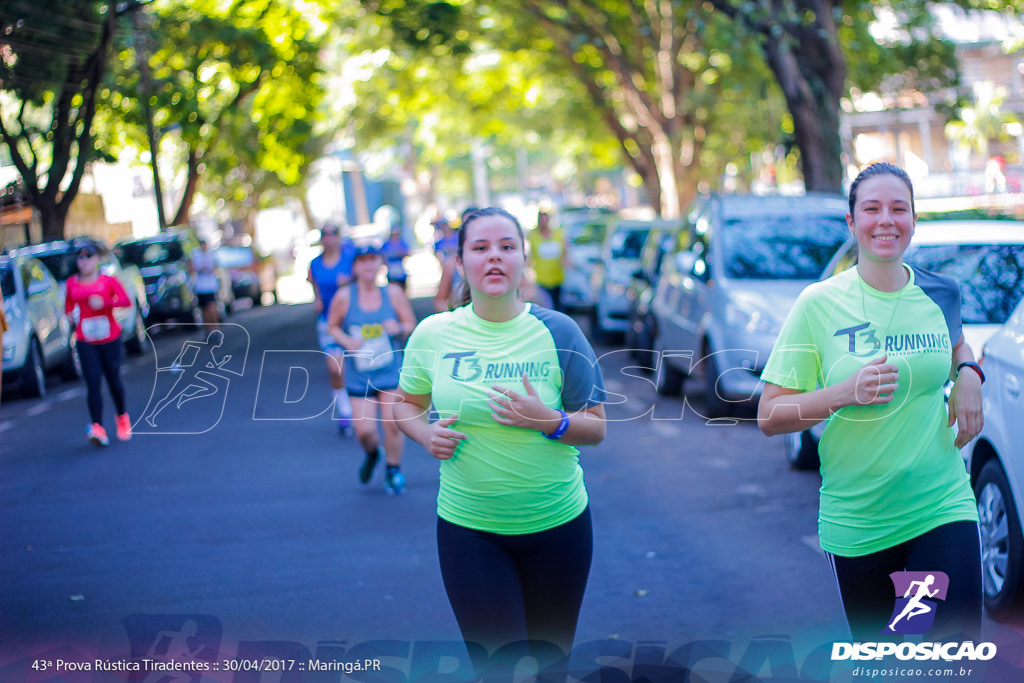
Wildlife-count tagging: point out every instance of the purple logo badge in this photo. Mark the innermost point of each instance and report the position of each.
(917, 594)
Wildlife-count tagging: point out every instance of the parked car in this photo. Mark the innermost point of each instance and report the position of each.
(40, 338)
(163, 260)
(252, 274)
(61, 259)
(722, 298)
(641, 327)
(996, 466)
(585, 231)
(985, 257)
(614, 272)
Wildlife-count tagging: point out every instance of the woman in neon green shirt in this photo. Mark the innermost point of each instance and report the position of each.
(518, 388)
(869, 350)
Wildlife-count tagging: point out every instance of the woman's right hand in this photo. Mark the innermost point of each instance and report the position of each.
(874, 384)
(442, 440)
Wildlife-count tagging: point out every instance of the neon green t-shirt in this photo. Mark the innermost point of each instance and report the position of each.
(888, 472)
(502, 479)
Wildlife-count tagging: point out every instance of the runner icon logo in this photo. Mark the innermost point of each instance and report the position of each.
(917, 594)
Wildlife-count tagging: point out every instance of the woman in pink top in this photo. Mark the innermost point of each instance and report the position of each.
(90, 301)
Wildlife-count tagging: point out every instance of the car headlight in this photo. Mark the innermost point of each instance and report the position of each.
(753, 320)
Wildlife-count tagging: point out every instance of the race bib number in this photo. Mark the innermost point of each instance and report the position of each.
(95, 329)
(375, 353)
(549, 250)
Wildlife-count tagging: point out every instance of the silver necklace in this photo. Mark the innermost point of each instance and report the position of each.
(892, 315)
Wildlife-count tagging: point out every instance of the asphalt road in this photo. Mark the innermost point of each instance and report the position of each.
(234, 529)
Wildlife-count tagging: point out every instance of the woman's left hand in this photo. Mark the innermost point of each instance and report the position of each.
(965, 407)
(516, 410)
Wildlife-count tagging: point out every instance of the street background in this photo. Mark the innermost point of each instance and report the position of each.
(259, 527)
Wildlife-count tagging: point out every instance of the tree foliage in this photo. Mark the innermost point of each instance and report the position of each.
(237, 84)
(53, 57)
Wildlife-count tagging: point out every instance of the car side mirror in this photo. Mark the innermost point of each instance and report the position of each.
(38, 288)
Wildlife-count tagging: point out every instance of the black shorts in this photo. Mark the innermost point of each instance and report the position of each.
(206, 298)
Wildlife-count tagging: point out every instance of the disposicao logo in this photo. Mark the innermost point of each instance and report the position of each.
(916, 596)
(917, 600)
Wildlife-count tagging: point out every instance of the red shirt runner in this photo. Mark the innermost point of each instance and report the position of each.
(96, 302)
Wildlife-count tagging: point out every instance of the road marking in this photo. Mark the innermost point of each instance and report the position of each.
(4, 426)
(38, 410)
(69, 394)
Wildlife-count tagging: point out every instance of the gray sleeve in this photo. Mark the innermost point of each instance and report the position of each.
(582, 382)
(945, 292)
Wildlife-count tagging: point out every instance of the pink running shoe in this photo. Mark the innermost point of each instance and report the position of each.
(124, 427)
(98, 435)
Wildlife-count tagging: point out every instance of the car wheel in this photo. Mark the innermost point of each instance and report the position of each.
(33, 376)
(669, 380)
(646, 356)
(1001, 544)
(802, 451)
(135, 345)
(72, 367)
(714, 405)
(597, 334)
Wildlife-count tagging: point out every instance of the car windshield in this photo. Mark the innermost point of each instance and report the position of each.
(991, 276)
(628, 243)
(152, 253)
(62, 266)
(587, 234)
(781, 247)
(234, 257)
(7, 280)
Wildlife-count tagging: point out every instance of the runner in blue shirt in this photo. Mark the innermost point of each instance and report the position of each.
(327, 272)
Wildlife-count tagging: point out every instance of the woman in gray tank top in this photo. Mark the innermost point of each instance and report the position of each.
(368, 321)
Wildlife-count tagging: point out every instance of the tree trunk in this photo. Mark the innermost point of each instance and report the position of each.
(191, 183)
(52, 215)
(812, 93)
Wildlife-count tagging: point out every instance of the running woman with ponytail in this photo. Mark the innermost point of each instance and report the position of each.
(518, 389)
(368, 321)
(90, 300)
(869, 350)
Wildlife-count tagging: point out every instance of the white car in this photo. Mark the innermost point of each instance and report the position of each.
(997, 465)
(985, 257)
(613, 274)
(585, 231)
(40, 337)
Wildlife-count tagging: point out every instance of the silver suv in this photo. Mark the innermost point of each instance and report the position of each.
(40, 337)
(722, 297)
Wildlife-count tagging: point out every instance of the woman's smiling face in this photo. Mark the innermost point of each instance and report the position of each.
(883, 218)
(492, 258)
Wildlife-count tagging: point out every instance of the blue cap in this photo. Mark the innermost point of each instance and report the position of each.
(366, 249)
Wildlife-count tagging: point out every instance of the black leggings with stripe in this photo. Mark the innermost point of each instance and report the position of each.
(868, 593)
(99, 361)
(509, 589)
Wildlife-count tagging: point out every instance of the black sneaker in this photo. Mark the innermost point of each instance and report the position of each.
(366, 471)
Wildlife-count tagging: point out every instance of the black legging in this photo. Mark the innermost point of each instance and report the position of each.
(509, 589)
(868, 594)
(99, 361)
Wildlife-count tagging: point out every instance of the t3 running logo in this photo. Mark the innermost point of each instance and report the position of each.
(917, 594)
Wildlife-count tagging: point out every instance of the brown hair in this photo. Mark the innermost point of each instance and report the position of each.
(462, 295)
